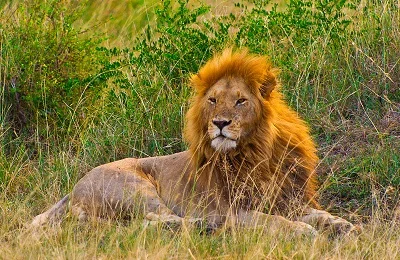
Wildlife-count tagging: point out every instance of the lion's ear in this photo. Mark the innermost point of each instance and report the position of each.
(270, 82)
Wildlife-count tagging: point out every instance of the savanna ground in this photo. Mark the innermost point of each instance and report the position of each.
(88, 82)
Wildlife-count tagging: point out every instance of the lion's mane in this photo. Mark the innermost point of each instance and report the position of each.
(280, 156)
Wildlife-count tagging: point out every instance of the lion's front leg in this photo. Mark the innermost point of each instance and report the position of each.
(323, 220)
(254, 219)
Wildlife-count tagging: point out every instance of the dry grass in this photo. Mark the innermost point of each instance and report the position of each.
(132, 240)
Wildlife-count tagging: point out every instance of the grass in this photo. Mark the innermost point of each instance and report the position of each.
(132, 240)
(119, 104)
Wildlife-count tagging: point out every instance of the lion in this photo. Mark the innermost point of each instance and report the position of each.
(251, 162)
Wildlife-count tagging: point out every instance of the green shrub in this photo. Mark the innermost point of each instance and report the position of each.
(44, 63)
(157, 68)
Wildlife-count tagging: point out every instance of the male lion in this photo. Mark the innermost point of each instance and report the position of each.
(251, 160)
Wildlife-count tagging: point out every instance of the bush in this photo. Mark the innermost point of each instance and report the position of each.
(45, 61)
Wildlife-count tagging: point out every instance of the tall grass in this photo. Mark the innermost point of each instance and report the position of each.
(133, 241)
(340, 71)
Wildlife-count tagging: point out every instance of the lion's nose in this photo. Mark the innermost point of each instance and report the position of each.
(221, 123)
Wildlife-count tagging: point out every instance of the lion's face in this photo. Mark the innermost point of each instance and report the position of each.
(231, 111)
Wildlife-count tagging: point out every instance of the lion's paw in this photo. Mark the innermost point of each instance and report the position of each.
(175, 222)
(170, 221)
(39, 220)
(301, 228)
(339, 226)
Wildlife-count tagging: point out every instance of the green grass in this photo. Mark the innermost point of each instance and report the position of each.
(67, 104)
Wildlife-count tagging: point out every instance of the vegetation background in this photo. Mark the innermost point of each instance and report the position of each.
(83, 83)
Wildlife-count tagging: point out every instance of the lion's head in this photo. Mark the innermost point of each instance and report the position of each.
(239, 113)
(230, 107)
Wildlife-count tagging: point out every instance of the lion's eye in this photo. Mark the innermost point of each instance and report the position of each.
(240, 101)
(212, 100)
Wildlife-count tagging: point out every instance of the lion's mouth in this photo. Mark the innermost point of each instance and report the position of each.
(222, 136)
(223, 143)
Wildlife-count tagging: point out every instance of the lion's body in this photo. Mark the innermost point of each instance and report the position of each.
(249, 155)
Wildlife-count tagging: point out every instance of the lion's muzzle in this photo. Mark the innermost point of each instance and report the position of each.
(222, 138)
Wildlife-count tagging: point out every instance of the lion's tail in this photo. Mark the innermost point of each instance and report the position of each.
(52, 216)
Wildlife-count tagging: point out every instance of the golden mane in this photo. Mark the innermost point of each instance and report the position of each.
(280, 151)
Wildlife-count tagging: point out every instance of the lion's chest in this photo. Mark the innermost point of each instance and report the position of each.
(243, 188)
